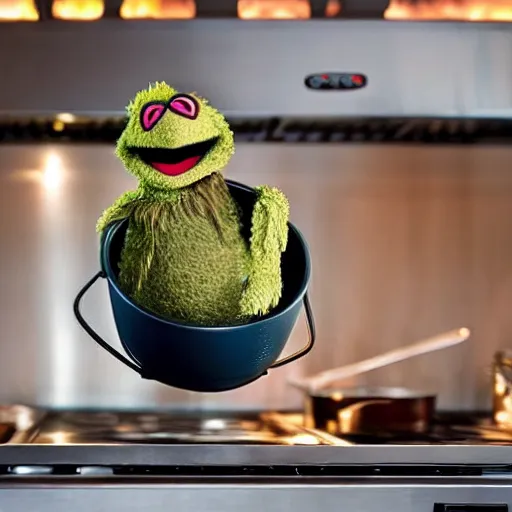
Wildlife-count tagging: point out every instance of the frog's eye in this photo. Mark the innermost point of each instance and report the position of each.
(184, 105)
(151, 113)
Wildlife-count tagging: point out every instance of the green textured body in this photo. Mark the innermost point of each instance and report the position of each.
(197, 261)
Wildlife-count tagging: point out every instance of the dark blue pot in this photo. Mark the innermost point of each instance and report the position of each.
(197, 358)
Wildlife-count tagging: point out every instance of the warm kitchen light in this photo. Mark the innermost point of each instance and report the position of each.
(58, 126)
(274, 9)
(463, 10)
(158, 9)
(503, 417)
(307, 439)
(333, 8)
(58, 437)
(53, 171)
(50, 175)
(66, 117)
(502, 392)
(78, 9)
(18, 10)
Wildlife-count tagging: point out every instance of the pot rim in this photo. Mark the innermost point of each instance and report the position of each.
(371, 392)
(110, 275)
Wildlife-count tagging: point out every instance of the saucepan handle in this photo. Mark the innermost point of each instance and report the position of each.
(92, 333)
(310, 321)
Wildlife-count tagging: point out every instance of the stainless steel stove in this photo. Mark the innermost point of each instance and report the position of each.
(105, 460)
(178, 428)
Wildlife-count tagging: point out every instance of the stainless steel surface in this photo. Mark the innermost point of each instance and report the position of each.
(231, 440)
(405, 241)
(413, 68)
(199, 476)
(91, 427)
(365, 496)
(250, 455)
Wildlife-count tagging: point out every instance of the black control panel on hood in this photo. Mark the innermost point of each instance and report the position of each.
(336, 81)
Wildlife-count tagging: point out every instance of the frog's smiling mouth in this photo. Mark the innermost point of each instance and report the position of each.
(176, 161)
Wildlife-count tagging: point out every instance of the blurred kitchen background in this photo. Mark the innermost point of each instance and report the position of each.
(402, 188)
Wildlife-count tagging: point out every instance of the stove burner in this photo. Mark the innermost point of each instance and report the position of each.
(152, 429)
(93, 418)
(158, 428)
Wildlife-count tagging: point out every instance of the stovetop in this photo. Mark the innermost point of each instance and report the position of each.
(92, 427)
(104, 460)
(260, 439)
(68, 427)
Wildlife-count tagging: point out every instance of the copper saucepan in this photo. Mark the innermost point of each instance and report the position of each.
(371, 410)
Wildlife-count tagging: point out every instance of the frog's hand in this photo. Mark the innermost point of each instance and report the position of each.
(269, 236)
(121, 209)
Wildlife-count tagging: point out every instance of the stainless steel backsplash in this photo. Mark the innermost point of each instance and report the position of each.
(406, 242)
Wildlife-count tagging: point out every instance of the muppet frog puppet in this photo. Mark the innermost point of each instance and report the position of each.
(184, 257)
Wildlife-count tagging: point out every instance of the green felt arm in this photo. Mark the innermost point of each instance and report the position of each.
(269, 237)
(121, 209)
(133, 272)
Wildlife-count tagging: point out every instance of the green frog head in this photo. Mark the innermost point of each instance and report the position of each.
(172, 139)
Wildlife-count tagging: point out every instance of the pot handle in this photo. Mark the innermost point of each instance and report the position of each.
(310, 322)
(92, 333)
(135, 367)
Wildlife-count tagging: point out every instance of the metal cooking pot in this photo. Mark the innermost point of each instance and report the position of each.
(377, 410)
(367, 410)
(205, 359)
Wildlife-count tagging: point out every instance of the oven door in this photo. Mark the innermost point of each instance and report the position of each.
(300, 494)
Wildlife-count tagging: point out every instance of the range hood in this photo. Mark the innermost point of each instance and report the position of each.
(253, 59)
